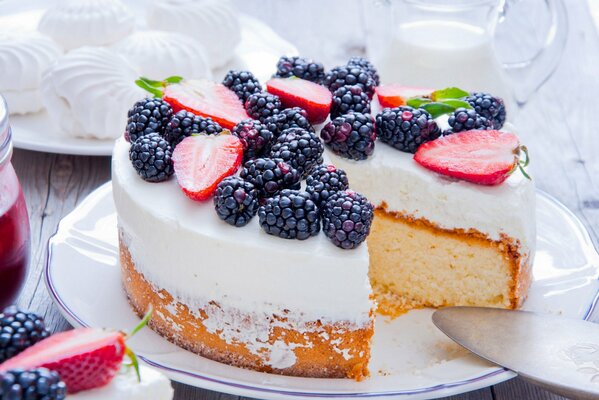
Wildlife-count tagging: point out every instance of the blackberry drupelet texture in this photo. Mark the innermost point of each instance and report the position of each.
(255, 137)
(406, 128)
(185, 123)
(290, 215)
(270, 176)
(351, 136)
(349, 76)
(263, 105)
(367, 66)
(32, 384)
(349, 99)
(147, 116)
(301, 67)
(236, 201)
(346, 219)
(243, 83)
(151, 156)
(294, 117)
(18, 331)
(492, 108)
(464, 119)
(324, 181)
(300, 148)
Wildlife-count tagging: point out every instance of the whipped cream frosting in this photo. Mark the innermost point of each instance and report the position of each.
(158, 54)
(79, 23)
(214, 23)
(153, 386)
(182, 246)
(88, 92)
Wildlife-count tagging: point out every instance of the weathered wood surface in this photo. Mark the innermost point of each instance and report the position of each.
(558, 124)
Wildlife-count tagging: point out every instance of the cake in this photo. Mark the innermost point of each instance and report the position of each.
(268, 247)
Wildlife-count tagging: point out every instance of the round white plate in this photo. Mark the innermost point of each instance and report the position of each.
(259, 51)
(411, 358)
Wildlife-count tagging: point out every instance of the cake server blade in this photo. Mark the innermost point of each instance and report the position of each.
(558, 354)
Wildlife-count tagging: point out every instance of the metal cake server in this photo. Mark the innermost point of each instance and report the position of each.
(558, 354)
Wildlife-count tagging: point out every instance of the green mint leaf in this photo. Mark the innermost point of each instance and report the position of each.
(151, 82)
(437, 109)
(449, 93)
(173, 79)
(417, 102)
(148, 88)
(456, 103)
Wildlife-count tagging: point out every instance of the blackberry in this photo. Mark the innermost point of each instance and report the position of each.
(349, 75)
(255, 137)
(290, 215)
(151, 157)
(351, 136)
(243, 83)
(464, 119)
(324, 181)
(346, 219)
(300, 148)
(32, 384)
(185, 123)
(269, 176)
(366, 66)
(262, 105)
(18, 331)
(492, 108)
(406, 128)
(349, 99)
(147, 116)
(288, 118)
(236, 201)
(301, 67)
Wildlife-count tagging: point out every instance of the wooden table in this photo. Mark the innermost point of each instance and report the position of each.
(558, 125)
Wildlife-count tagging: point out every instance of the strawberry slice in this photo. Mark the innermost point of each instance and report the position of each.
(208, 99)
(296, 92)
(201, 162)
(481, 157)
(395, 95)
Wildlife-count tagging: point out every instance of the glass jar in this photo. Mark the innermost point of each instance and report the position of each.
(14, 220)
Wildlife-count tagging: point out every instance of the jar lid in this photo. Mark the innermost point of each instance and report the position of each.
(5, 135)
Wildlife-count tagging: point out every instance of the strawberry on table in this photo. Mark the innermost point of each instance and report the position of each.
(477, 156)
(201, 162)
(395, 95)
(296, 92)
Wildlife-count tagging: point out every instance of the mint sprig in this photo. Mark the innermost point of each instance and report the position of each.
(449, 93)
(441, 102)
(156, 88)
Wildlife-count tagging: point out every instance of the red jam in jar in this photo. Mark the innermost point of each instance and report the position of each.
(14, 221)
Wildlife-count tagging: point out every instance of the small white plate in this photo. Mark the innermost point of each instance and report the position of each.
(259, 51)
(411, 358)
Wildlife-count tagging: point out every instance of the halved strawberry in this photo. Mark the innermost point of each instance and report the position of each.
(208, 99)
(201, 162)
(482, 157)
(395, 95)
(296, 92)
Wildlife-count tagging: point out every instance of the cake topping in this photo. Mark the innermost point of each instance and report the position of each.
(185, 123)
(346, 218)
(32, 384)
(296, 92)
(300, 148)
(406, 128)
(263, 105)
(151, 156)
(147, 116)
(270, 175)
(290, 215)
(18, 331)
(395, 95)
(489, 107)
(236, 201)
(255, 137)
(324, 181)
(201, 162)
(348, 76)
(243, 83)
(351, 136)
(300, 67)
(482, 157)
(349, 99)
(464, 119)
(294, 117)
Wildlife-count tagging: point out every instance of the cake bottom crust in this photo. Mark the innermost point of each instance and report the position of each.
(321, 351)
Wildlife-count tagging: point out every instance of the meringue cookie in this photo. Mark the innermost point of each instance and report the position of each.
(23, 101)
(212, 22)
(158, 54)
(87, 22)
(88, 92)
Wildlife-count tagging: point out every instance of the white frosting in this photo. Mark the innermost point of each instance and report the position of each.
(23, 58)
(182, 246)
(125, 386)
(23, 101)
(89, 91)
(87, 22)
(158, 55)
(214, 23)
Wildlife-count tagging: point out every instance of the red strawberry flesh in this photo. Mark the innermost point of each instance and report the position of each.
(395, 95)
(481, 157)
(296, 92)
(208, 99)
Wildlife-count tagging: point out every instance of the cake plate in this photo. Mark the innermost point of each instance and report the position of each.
(411, 359)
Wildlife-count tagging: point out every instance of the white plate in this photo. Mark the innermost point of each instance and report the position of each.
(411, 359)
(259, 50)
